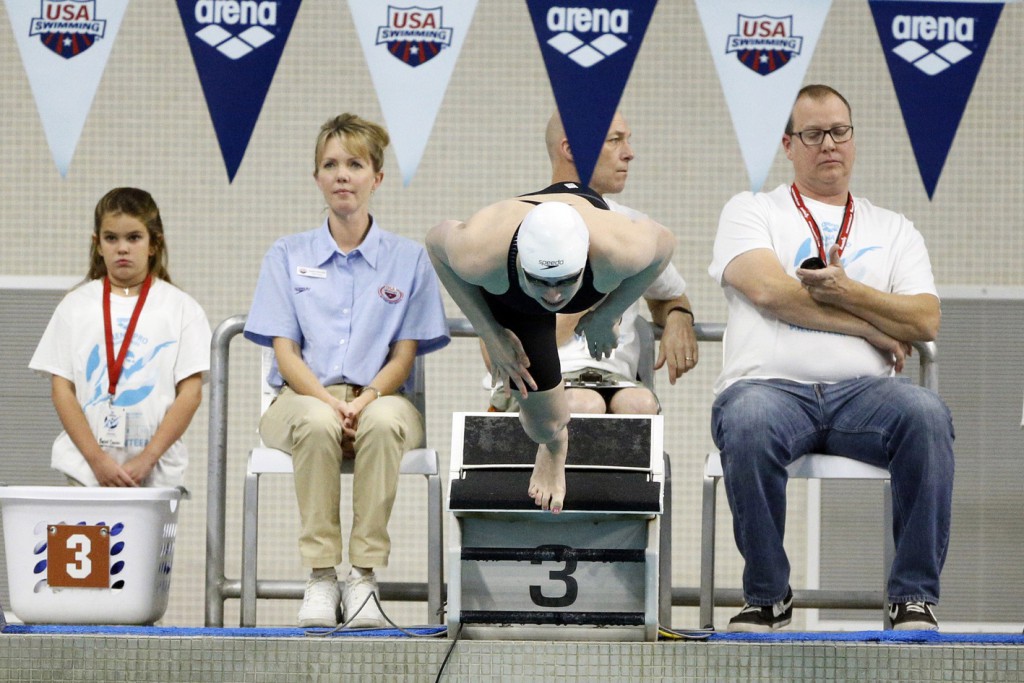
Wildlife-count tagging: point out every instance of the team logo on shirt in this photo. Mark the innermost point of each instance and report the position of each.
(414, 35)
(764, 44)
(391, 295)
(68, 27)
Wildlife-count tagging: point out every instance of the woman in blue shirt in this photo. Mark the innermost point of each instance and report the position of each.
(346, 308)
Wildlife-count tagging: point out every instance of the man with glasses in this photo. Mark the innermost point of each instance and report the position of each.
(826, 292)
(513, 265)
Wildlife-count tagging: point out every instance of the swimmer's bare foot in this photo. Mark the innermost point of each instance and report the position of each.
(547, 484)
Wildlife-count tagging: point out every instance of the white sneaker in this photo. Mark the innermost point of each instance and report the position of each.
(361, 610)
(320, 604)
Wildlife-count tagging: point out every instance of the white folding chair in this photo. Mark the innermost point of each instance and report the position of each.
(813, 466)
(645, 373)
(263, 460)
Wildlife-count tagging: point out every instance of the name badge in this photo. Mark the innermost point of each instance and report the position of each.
(113, 428)
(305, 271)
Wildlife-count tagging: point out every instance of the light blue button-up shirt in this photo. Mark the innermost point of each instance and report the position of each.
(346, 310)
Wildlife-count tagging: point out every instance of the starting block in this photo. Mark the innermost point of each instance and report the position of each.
(593, 572)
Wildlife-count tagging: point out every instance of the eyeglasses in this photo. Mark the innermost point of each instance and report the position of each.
(812, 137)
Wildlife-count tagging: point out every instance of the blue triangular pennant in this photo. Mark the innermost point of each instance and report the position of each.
(934, 51)
(236, 48)
(589, 47)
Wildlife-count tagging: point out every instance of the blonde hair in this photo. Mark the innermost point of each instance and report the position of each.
(360, 137)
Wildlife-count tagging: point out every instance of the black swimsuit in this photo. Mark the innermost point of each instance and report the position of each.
(533, 324)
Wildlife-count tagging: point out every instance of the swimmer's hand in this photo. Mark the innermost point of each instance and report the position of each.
(602, 334)
(509, 363)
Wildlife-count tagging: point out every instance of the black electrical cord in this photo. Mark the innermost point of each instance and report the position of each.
(451, 648)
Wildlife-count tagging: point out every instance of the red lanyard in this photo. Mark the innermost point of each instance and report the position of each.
(844, 232)
(114, 366)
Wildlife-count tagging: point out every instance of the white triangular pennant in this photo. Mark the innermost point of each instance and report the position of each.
(64, 47)
(761, 52)
(411, 52)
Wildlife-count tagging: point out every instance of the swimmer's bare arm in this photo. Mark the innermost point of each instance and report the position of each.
(626, 260)
(464, 266)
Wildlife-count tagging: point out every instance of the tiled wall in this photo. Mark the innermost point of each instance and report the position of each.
(25, 658)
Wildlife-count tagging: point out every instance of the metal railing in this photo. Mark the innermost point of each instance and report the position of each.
(219, 587)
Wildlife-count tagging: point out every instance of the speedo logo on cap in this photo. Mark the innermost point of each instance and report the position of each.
(251, 18)
(548, 265)
(568, 23)
(952, 31)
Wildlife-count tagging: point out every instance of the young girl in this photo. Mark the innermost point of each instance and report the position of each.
(127, 352)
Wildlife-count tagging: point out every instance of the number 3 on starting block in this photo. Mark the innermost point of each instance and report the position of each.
(78, 556)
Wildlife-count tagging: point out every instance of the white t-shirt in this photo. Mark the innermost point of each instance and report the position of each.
(574, 355)
(884, 251)
(171, 342)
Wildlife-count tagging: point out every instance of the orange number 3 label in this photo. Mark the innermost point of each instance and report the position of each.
(78, 556)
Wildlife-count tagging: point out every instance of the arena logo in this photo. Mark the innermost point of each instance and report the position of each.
(67, 27)
(952, 31)
(566, 22)
(256, 15)
(764, 44)
(414, 35)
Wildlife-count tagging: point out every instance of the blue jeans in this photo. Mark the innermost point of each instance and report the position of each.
(760, 426)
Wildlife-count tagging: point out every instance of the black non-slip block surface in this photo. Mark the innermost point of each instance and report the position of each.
(595, 491)
(607, 442)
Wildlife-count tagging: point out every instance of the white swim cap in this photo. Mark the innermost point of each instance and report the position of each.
(553, 241)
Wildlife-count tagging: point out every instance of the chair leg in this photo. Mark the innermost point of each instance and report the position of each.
(665, 552)
(435, 549)
(707, 553)
(250, 518)
(888, 550)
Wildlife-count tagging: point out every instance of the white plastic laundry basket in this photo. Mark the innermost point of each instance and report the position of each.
(142, 524)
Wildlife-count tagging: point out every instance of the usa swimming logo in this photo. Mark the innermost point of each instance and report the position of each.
(414, 35)
(951, 32)
(68, 27)
(569, 23)
(253, 20)
(764, 44)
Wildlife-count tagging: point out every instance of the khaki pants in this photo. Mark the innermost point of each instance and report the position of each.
(310, 431)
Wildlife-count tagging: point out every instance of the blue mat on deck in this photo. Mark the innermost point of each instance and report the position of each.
(888, 637)
(178, 632)
(885, 637)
